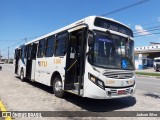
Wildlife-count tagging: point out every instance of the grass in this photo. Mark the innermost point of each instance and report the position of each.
(148, 74)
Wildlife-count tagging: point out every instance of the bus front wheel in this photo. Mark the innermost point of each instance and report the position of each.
(57, 87)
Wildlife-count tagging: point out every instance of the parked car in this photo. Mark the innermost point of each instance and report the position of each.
(1, 62)
(157, 64)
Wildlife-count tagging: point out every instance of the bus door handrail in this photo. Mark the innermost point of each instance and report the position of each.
(72, 65)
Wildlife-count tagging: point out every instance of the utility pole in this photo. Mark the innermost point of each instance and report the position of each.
(0, 55)
(8, 54)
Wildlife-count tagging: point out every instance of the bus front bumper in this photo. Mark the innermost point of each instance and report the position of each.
(109, 93)
(119, 92)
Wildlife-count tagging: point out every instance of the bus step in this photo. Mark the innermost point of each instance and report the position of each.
(73, 91)
(72, 86)
(69, 86)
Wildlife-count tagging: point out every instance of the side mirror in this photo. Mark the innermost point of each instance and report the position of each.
(128, 39)
(108, 34)
(88, 53)
(90, 40)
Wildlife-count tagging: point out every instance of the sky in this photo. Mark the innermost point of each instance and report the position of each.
(21, 19)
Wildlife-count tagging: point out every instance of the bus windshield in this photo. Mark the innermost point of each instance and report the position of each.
(114, 52)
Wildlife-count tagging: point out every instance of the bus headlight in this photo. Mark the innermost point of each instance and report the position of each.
(96, 81)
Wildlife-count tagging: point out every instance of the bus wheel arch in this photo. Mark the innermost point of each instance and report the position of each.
(56, 83)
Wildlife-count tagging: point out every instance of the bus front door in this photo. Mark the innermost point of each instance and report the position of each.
(75, 61)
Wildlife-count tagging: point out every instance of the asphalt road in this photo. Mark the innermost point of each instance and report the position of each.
(151, 85)
(29, 96)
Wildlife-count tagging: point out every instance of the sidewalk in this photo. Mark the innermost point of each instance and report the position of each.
(148, 70)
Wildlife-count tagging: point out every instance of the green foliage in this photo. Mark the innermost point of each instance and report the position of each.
(148, 74)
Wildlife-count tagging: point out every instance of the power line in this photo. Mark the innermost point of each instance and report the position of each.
(20, 41)
(126, 7)
(149, 28)
(138, 32)
(147, 34)
(12, 45)
(109, 13)
(26, 38)
(17, 43)
(151, 23)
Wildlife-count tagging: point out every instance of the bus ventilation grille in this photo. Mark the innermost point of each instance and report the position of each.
(118, 74)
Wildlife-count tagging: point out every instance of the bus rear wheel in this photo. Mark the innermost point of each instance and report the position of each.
(22, 75)
(57, 87)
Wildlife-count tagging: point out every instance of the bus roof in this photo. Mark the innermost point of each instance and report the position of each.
(72, 25)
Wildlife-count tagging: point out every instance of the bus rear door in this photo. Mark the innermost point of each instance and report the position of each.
(31, 61)
(17, 58)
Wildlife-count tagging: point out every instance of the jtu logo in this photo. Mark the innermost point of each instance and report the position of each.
(42, 63)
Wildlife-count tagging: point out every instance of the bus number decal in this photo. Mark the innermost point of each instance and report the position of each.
(110, 82)
(57, 61)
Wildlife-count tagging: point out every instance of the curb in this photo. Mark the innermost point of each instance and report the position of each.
(147, 76)
(6, 115)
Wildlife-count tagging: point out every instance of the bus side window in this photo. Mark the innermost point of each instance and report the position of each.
(49, 48)
(41, 47)
(23, 51)
(60, 46)
(20, 53)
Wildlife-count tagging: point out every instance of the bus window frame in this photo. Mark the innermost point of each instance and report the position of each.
(65, 43)
(52, 37)
(42, 49)
(23, 52)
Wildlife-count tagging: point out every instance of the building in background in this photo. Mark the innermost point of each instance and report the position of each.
(145, 55)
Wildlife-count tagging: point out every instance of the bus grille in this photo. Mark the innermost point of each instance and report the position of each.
(118, 74)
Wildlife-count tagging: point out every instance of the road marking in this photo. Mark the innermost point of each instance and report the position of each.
(3, 109)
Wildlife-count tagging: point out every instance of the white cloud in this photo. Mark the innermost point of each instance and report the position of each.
(141, 31)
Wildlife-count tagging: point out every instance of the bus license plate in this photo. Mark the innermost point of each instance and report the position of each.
(120, 92)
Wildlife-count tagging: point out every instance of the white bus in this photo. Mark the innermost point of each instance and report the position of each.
(156, 63)
(93, 57)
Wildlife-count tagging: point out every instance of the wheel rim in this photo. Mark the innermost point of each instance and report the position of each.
(58, 86)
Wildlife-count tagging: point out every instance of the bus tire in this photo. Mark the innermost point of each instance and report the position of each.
(22, 75)
(57, 87)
